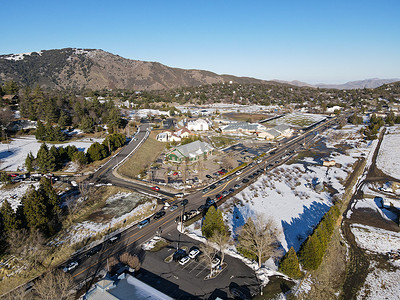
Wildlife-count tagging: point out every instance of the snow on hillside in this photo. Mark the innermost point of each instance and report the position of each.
(12, 156)
(14, 195)
(388, 160)
(381, 284)
(376, 239)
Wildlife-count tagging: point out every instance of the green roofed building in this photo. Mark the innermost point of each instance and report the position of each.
(191, 152)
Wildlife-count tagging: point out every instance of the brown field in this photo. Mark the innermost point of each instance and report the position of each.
(245, 117)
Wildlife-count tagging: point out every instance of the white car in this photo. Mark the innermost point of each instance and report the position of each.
(184, 260)
(70, 266)
(238, 172)
(193, 253)
(215, 262)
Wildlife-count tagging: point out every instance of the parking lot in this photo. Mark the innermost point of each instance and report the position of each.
(190, 277)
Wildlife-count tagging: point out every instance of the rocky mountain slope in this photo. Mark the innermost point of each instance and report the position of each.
(97, 69)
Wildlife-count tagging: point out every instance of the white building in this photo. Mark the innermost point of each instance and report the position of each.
(198, 125)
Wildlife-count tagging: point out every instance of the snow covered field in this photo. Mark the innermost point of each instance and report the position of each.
(297, 120)
(15, 194)
(388, 159)
(12, 156)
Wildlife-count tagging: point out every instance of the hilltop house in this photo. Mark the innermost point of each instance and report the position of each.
(192, 151)
(198, 125)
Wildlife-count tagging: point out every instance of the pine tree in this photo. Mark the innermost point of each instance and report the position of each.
(311, 254)
(290, 264)
(213, 221)
(52, 199)
(35, 210)
(40, 131)
(29, 162)
(9, 217)
(97, 152)
(45, 160)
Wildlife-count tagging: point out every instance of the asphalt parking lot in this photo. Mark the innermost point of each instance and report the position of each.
(187, 281)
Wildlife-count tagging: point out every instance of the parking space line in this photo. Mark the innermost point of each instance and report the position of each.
(201, 271)
(195, 268)
(186, 265)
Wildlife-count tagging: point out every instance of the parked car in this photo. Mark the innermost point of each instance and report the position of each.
(179, 195)
(219, 196)
(155, 188)
(231, 191)
(184, 260)
(245, 180)
(236, 186)
(159, 214)
(184, 202)
(238, 172)
(202, 208)
(225, 193)
(93, 251)
(173, 207)
(209, 176)
(72, 265)
(215, 262)
(209, 201)
(179, 254)
(212, 187)
(143, 223)
(194, 252)
(205, 190)
(113, 239)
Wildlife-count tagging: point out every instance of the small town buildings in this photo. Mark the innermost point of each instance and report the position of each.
(242, 127)
(125, 287)
(198, 125)
(329, 163)
(285, 130)
(269, 135)
(191, 152)
(171, 136)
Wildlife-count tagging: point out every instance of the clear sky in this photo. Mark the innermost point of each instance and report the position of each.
(308, 40)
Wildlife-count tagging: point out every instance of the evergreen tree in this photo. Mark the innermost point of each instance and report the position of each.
(35, 210)
(290, 264)
(311, 254)
(97, 152)
(29, 162)
(5, 178)
(213, 221)
(64, 120)
(52, 199)
(45, 160)
(9, 217)
(87, 124)
(80, 158)
(40, 131)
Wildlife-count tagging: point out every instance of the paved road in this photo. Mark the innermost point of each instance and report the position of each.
(132, 237)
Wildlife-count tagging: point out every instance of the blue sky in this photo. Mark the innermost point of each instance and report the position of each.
(312, 41)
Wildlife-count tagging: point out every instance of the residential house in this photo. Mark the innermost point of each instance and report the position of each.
(168, 136)
(183, 133)
(125, 287)
(192, 151)
(198, 125)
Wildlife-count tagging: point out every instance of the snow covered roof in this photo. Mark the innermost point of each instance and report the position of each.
(281, 128)
(274, 132)
(241, 126)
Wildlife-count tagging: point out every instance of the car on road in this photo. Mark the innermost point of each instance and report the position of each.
(194, 252)
(220, 172)
(209, 176)
(155, 188)
(225, 193)
(113, 239)
(209, 201)
(238, 172)
(231, 191)
(245, 180)
(143, 223)
(236, 186)
(159, 214)
(184, 202)
(212, 187)
(215, 262)
(173, 207)
(72, 265)
(202, 207)
(179, 195)
(184, 260)
(205, 190)
(219, 196)
(93, 251)
(251, 176)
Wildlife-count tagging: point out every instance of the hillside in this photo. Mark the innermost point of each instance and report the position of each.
(97, 69)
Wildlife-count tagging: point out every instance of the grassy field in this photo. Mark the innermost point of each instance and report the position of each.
(143, 157)
(222, 141)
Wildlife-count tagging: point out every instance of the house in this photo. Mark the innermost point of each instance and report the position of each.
(183, 133)
(198, 125)
(192, 151)
(168, 136)
(123, 288)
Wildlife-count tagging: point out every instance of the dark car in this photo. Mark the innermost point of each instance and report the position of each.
(225, 193)
(237, 185)
(231, 191)
(202, 207)
(184, 202)
(245, 180)
(93, 251)
(209, 176)
(212, 187)
(224, 171)
(179, 254)
(209, 201)
(205, 190)
(251, 176)
(159, 214)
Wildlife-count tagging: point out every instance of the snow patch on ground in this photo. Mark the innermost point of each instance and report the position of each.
(381, 284)
(14, 195)
(13, 155)
(376, 239)
(387, 159)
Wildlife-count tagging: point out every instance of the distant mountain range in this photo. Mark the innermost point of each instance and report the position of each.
(97, 69)
(360, 84)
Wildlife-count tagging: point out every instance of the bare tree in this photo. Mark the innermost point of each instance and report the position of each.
(112, 262)
(222, 240)
(17, 294)
(131, 260)
(259, 238)
(54, 285)
(84, 189)
(208, 252)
